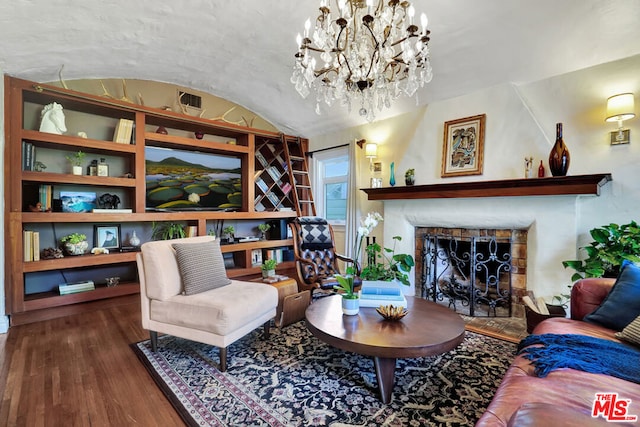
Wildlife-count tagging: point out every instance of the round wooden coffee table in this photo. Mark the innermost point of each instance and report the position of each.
(427, 330)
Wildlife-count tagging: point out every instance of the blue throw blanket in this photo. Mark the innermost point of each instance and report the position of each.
(585, 353)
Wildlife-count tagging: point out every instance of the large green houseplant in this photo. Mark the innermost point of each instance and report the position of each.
(611, 245)
(388, 265)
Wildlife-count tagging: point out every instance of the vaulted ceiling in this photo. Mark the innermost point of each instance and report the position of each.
(243, 50)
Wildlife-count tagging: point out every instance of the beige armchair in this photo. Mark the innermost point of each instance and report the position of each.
(218, 316)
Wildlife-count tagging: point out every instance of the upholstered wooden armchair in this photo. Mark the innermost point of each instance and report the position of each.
(315, 253)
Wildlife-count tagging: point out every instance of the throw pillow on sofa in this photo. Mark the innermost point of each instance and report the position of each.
(631, 333)
(622, 304)
(201, 266)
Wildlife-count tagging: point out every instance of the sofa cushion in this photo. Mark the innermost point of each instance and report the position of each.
(631, 333)
(535, 414)
(221, 310)
(201, 266)
(622, 305)
(162, 276)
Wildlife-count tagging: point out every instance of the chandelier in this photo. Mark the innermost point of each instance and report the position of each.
(367, 54)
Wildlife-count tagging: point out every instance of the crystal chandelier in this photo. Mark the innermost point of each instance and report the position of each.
(369, 53)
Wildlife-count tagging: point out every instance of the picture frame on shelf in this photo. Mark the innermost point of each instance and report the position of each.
(107, 236)
(77, 201)
(463, 147)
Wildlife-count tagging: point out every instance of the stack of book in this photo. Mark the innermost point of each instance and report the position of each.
(75, 287)
(31, 245)
(123, 132)
(375, 294)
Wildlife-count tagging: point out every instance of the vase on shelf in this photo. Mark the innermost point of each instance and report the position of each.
(392, 176)
(559, 157)
(134, 240)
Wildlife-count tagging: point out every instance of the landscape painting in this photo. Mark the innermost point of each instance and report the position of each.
(192, 180)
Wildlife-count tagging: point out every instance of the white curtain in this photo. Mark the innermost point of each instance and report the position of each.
(353, 207)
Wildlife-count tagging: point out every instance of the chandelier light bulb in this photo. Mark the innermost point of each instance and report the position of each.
(424, 21)
(368, 56)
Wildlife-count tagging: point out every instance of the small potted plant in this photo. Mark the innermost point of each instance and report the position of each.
(76, 162)
(75, 243)
(346, 287)
(228, 233)
(268, 268)
(263, 230)
(410, 177)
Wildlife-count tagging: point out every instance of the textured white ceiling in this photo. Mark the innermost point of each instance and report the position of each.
(243, 50)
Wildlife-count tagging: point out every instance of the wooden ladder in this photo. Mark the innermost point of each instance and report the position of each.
(294, 152)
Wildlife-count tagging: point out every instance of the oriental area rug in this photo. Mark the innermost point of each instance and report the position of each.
(293, 379)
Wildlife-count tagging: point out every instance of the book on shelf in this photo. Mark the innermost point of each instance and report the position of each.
(75, 287)
(248, 239)
(123, 132)
(191, 231)
(125, 210)
(35, 246)
(256, 257)
(45, 197)
(28, 156)
(27, 245)
(275, 254)
(31, 245)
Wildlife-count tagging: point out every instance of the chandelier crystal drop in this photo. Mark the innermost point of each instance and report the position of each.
(366, 55)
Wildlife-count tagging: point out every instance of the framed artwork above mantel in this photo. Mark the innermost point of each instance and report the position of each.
(463, 148)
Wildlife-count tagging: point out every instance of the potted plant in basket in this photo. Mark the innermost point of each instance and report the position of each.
(268, 268)
(612, 244)
(75, 243)
(76, 162)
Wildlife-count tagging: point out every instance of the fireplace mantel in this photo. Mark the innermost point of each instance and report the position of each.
(550, 186)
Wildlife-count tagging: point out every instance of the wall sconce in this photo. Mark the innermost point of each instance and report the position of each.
(371, 152)
(620, 108)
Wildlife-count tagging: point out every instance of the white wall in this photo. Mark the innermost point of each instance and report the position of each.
(520, 122)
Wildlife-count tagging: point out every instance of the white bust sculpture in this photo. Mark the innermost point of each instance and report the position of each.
(52, 119)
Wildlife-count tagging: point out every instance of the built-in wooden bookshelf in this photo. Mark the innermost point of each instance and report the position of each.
(97, 117)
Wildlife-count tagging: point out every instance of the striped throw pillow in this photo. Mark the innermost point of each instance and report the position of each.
(631, 332)
(201, 266)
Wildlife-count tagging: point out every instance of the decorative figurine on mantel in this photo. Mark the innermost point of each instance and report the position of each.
(52, 119)
(528, 167)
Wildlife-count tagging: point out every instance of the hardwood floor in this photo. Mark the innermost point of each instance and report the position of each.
(78, 370)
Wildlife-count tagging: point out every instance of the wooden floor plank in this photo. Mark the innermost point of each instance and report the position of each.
(79, 370)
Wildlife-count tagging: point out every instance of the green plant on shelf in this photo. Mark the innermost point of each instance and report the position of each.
(73, 238)
(76, 158)
(167, 231)
(268, 265)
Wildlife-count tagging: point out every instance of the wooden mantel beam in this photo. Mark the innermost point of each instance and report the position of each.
(550, 186)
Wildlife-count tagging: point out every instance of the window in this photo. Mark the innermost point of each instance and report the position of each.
(331, 188)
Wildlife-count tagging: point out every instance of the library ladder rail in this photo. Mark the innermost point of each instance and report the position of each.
(299, 173)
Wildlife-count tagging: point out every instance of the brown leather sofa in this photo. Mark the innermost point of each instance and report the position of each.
(565, 397)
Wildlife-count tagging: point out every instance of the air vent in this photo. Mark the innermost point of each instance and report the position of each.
(190, 99)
